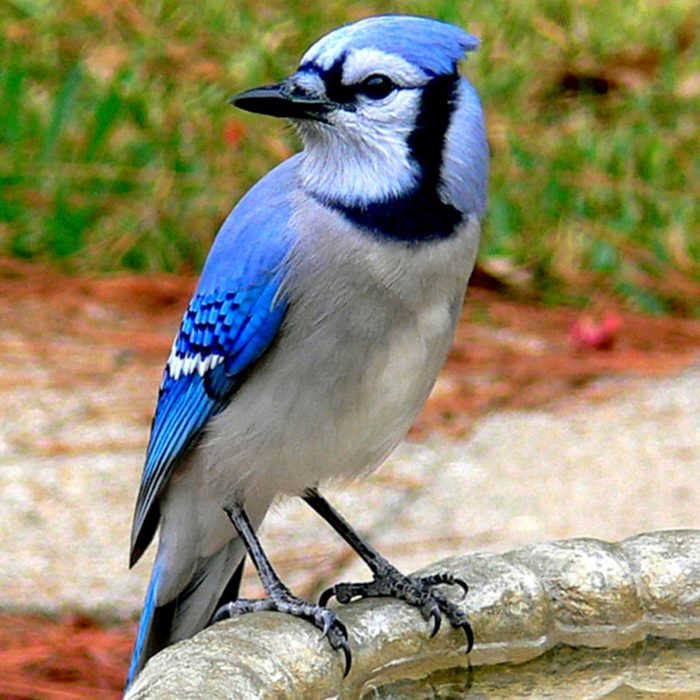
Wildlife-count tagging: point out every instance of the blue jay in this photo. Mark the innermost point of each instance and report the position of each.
(322, 317)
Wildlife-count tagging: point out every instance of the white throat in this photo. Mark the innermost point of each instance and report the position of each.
(356, 159)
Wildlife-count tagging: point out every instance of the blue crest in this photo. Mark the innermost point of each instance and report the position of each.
(429, 44)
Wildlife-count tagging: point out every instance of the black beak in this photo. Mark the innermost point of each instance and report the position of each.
(282, 100)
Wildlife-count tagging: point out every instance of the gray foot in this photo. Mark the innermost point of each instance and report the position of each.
(417, 591)
(285, 602)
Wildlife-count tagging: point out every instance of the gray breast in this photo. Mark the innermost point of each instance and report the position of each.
(370, 323)
(368, 328)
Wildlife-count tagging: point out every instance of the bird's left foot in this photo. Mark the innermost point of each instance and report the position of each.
(418, 591)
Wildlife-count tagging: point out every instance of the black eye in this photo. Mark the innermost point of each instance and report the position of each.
(376, 86)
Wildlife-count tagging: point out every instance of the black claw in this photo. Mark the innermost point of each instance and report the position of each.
(437, 621)
(326, 596)
(338, 637)
(463, 585)
(223, 613)
(345, 648)
(447, 580)
(470, 635)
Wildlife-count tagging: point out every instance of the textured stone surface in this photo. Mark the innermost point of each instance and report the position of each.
(520, 605)
(589, 586)
(667, 571)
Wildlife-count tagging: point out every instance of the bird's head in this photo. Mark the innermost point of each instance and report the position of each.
(375, 103)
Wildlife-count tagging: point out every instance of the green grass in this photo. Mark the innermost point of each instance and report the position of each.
(118, 150)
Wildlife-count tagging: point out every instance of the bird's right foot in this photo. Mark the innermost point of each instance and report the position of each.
(285, 602)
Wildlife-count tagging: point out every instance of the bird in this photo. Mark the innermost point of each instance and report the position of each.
(324, 312)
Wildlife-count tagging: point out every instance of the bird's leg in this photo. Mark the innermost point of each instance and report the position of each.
(388, 580)
(280, 598)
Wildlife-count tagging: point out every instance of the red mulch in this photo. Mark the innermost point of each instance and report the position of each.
(508, 353)
(62, 659)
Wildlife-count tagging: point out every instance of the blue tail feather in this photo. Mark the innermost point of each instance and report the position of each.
(145, 624)
(215, 581)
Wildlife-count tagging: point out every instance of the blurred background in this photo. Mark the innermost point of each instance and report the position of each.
(119, 159)
(119, 151)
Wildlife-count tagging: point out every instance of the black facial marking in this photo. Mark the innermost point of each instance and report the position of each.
(375, 86)
(419, 215)
(342, 95)
(426, 142)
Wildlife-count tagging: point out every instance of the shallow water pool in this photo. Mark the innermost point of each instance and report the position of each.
(656, 668)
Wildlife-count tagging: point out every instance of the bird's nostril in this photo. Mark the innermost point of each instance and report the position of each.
(291, 88)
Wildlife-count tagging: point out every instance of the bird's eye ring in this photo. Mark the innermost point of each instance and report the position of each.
(376, 86)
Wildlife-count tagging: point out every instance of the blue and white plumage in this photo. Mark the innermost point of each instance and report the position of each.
(325, 309)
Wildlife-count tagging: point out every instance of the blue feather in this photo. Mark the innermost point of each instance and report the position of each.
(230, 322)
(145, 623)
(430, 45)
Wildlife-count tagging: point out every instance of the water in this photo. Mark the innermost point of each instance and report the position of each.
(655, 668)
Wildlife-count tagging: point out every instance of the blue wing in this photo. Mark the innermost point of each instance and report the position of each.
(233, 317)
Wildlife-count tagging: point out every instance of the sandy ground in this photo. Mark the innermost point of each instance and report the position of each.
(70, 462)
